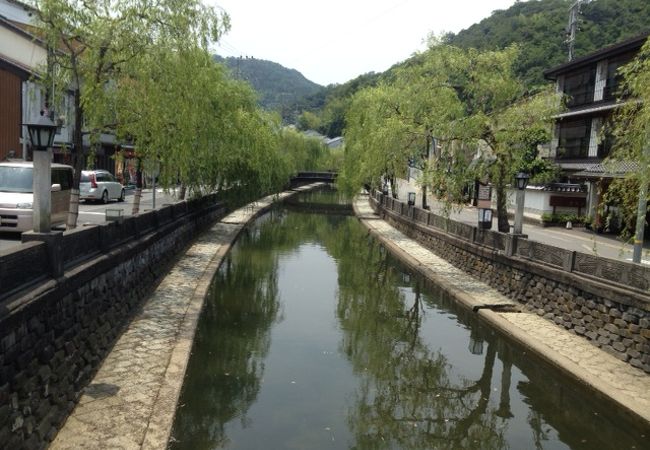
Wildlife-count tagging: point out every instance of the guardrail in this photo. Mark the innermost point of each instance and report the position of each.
(624, 274)
(36, 261)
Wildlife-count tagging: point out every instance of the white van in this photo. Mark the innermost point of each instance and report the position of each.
(17, 196)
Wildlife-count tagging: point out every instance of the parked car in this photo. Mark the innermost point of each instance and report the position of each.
(100, 185)
(17, 195)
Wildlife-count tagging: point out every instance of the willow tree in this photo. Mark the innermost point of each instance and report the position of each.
(471, 101)
(631, 131)
(94, 42)
(377, 139)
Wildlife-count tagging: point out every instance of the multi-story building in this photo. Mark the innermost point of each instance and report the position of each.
(22, 57)
(579, 146)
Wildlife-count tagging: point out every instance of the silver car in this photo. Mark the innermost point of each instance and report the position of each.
(100, 185)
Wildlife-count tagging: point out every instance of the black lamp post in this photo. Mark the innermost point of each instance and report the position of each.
(41, 135)
(521, 181)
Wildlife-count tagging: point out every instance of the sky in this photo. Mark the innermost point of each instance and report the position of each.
(333, 41)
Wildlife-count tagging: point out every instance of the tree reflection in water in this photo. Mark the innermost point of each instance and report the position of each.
(402, 391)
(407, 396)
(232, 341)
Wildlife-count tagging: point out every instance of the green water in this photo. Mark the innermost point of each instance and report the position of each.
(315, 337)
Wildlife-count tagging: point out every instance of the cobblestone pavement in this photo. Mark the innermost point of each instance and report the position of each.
(130, 404)
(574, 355)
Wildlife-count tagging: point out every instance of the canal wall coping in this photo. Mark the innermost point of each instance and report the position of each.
(602, 373)
(606, 302)
(131, 401)
(57, 326)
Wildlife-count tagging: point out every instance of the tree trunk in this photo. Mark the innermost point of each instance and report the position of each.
(77, 159)
(502, 200)
(183, 191)
(138, 188)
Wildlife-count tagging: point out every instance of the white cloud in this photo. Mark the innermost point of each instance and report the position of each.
(335, 40)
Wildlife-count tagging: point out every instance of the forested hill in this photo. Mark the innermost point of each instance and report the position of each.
(276, 85)
(538, 26)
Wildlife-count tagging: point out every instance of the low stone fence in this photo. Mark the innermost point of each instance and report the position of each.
(606, 301)
(63, 303)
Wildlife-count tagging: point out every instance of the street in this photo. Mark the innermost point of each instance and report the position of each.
(577, 239)
(94, 213)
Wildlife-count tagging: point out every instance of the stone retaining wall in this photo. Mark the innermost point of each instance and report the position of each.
(612, 315)
(57, 326)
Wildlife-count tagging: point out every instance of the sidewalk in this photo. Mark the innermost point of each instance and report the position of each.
(599, 371)
(577, 239)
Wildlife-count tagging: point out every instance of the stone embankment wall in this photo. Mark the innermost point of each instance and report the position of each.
(64, 302)
(606, 301)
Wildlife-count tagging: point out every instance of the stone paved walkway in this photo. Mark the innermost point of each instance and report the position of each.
(574, 355)
(131, 402)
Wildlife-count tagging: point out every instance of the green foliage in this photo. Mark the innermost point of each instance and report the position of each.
(277, 86)
(538, 26)
(469, 101)
(143, 73)
(308, 121)
(306, 153)
(624, 193)
(563, 218)
(631, 130)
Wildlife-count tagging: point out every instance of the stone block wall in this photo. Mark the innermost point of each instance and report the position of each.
(55, 333)
(610, 315)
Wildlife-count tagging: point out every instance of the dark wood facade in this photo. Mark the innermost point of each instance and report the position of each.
(10, 113)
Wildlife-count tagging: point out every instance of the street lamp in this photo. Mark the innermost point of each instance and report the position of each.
(411, 199)
(41, 135)
(521, 181)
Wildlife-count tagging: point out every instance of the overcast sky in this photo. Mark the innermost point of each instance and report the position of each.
(333, 41)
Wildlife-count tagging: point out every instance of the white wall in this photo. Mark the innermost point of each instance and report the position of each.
(21, 49)
(16, 12)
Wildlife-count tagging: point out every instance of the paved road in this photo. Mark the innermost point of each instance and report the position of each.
(96, 212)
(576, 239)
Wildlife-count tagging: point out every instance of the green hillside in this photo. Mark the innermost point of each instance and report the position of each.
(538, 26)
(276, 85)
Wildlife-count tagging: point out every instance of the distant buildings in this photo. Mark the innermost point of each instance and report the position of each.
(336, 142)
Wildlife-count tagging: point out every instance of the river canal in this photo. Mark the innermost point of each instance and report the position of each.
(315, 337)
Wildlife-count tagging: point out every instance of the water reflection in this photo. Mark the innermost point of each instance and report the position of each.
(315, 337)
(232, 341)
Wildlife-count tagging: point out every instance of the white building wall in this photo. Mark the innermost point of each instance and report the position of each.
(21, 49)
(16, 12)
(601, 80)
(596, 124)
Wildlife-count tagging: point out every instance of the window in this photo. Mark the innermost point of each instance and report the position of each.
(613, 77)
(574, 139)
(62, 177)
(579, 86)
(15, 179)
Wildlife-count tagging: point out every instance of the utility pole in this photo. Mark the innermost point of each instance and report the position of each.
(572, 28)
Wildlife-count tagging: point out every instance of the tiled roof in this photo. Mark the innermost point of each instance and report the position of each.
(611, 169)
